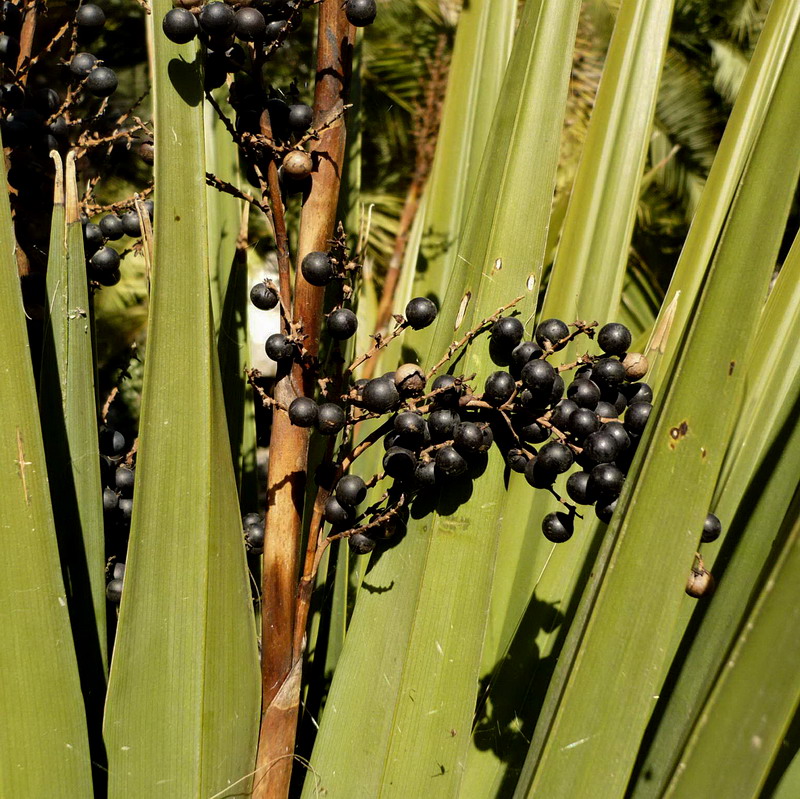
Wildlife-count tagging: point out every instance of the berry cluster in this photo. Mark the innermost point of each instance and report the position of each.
(265, 23)
(103, 261)
(117, 474)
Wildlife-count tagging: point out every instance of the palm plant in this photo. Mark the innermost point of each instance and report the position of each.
(466, 655)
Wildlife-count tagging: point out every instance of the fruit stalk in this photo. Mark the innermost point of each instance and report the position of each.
(286, 480)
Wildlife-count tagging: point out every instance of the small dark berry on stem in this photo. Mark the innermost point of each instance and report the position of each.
(90, 16)
(614, 338)
(557, 527)
(82, 64)
(106, 259)
(506, 333)
(555, 457)
(538, 376)
(300, 117)
(111, 227)
(180, 25)
(351, 490)
(579, 490)
(361, 544)
(712, 529)
(442, 424)
(263, 297)
(420, 312)
(450, 462)
(516, 460)
(499, 388)
(606, 480)
(317, 268)
(303, 412)
(342, 324)
(250, 24)
(604, 509)
(447, 390)
(636, 417)
(337, 514)
(380, 395)
(585, 393)
(278, 347)
(467, 438)
(330, 419)
(102, 82)
(399, 462)
(550, 332)
(131, 224)
(217, 19)
(608, 372)
(361, 12)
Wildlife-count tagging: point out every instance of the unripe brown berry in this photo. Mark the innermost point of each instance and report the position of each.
(700, 583)
(636, 366)
(297, 164)
(409, 379)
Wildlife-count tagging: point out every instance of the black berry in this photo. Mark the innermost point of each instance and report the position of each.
(601, 447)
(467, 437)
(614, 338)
(102, 82)
(361, 544)
(336, 514)
(303, 412)
(399, 462)
(90, 16)
(131, 224)
(442, 424)
(263, 297)
(606, 480)
(539, 376)
(361, 12)
(550, 333)
(450, 462)
(111, 226)
(250, 24)
(180, 25)
(712, 529)
(584, 393)
(506, 333)
(498, 388)
(420, 312)
(636, 417)
(330, 419)
(351, 490)
(82, 64)
(217, 19)
(106, 259)
(578, 489)
(278, 347)
(557, 527)
(317, 268)
(300, 117)
(342, 324)
(608, 372)
(582, 423)
(604, 509)
(380, 395)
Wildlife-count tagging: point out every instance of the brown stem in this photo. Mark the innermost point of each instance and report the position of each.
(26, 40)
(283, 619)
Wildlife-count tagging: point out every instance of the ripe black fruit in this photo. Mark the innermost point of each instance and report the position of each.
(114, 591)
(126, 509)
(506, 333)
(300, 117)
(361, 544)
(584, 393)
(557, 392)
(250, 24)
(562, 414)
(9, 49)
(467, 438)
(639, 392)
(105, 259)
(636, 417)
(410, 425)
(400, 463)
(217, 19)
(578, 489)
(614, 338)
(124, 479)
(82, 64)
(712, 528)
(538, 376)
(253, 526)
(102, 82)
(92, 236)
(498, 388)
(330, 419)
(534, 432)
(278, 347)
(342, 324)
(303, 412)
(425, 474)
(550, 332)
(90, 16)
(617, 431)
(448, 391)
(317, 268)
(517, 460)
(601, 447)
(555, 457)
(351, 490)
(604, 509)
(557, 527)
(111, 226)
(131, 224)
(450, 462)
(420, 312)
(361, 12)
(605, 410)
(582, 423)
(606, 480)
(522, 353)
(180, 25)
(380, 395)
(537, 475)
(337, 514)
(111, 441)
(608, 372)
(442, 424)
(263, 297)
(110, 500)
